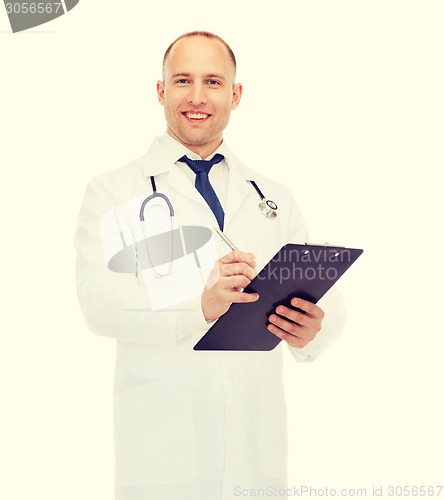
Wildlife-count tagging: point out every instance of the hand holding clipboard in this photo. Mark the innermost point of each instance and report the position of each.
(303, 271)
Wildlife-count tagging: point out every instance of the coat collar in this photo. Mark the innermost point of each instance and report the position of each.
(165, 151)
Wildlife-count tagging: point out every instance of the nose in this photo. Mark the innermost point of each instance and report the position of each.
(197, 94)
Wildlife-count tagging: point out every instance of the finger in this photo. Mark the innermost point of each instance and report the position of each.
(237, 268)
(242, 297)
(296, 316)
(308, 307)
(239, 256)
(237, 281)
(288, 326)
(290, 339)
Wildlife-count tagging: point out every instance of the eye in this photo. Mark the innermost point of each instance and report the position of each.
(214, 83)
(182, 81)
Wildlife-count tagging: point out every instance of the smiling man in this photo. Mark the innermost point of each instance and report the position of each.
(196, 425)
(199, 92)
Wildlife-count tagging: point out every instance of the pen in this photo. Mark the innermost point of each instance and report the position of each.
(226, 239)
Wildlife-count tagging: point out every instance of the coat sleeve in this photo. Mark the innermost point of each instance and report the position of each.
(331, 303)
(117, 305)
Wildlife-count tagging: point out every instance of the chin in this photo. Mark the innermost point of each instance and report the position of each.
(197, 140)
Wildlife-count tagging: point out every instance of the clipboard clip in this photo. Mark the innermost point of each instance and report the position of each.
(323, 245)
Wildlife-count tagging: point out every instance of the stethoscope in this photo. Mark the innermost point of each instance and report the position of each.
(151, 197)
(165, 198)
(267, 207)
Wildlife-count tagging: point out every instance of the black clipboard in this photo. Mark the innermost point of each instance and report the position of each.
(305, 271)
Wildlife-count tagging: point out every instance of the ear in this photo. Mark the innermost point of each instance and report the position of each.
(160, 91)
(237, 94)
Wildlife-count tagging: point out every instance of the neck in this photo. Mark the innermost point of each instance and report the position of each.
(204, 150)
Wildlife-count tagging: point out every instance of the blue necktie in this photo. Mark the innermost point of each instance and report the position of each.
(202, 168)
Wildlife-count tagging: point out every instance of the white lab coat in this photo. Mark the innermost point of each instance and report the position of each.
(189, 424)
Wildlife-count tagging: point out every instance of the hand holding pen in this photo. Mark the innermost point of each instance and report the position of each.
(296, 327)
(231, 274)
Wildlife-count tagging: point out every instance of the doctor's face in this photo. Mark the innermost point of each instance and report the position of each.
(198, 93)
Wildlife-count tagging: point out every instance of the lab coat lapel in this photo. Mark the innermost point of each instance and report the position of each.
(179, 181)
(156, 162)
(238, 190)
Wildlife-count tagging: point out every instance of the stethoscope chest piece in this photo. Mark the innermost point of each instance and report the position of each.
(267, 207)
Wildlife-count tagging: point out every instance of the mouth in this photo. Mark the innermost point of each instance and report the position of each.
(195, 117)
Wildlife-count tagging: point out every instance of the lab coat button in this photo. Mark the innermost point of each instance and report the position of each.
(231, 376)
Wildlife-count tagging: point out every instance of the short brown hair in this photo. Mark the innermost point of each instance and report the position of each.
(199, 33)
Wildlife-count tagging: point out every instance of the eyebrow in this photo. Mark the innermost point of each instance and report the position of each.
(180, 74)
(209, 75)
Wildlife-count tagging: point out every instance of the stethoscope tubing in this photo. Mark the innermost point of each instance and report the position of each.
(267, 207)
(151, 197)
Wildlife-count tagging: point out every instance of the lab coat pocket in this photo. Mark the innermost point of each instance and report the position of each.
(273, 439)
(154, 433)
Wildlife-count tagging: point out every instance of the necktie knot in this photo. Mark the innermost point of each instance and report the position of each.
(202, 165)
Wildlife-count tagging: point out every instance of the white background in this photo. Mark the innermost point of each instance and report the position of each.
(343, 101)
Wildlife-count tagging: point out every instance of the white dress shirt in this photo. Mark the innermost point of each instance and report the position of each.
(219, 173)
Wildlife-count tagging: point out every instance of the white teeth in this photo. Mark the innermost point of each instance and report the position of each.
(197, 116)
